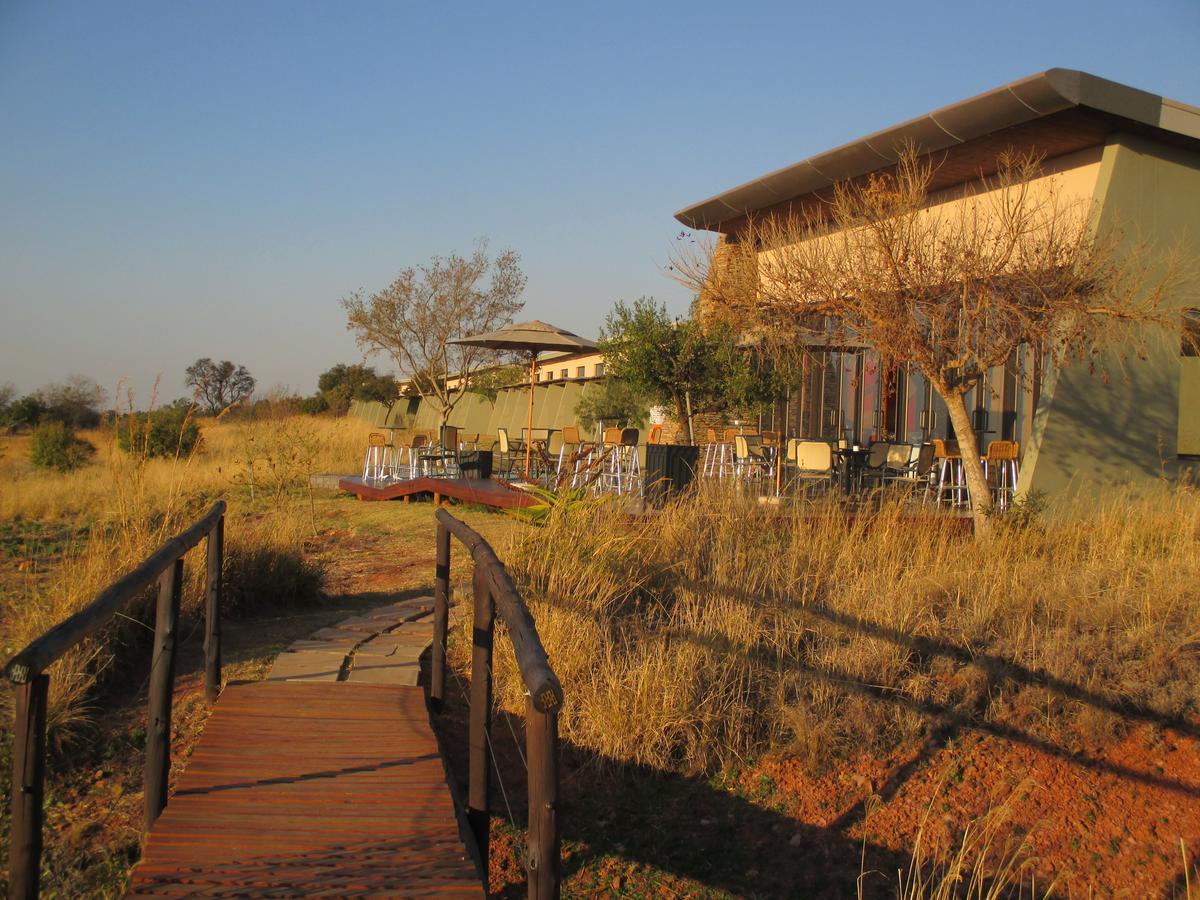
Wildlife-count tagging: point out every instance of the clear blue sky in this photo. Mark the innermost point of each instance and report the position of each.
(186, 179)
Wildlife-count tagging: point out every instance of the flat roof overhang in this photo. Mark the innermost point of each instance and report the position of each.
(1055, 112)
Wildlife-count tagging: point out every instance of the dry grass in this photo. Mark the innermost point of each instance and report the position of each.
(126, 505)
(719, 628)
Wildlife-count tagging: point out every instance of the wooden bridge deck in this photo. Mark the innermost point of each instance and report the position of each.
(301, 788)
(325, 778)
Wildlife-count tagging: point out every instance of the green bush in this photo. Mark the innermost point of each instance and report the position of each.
(314, 405)
(55, 446)
(160, 433)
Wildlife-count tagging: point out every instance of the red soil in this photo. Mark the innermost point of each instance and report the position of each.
(1106, 822)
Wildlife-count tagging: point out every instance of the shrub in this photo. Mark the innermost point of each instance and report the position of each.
(314, 405)
(164, 432)
(54, 446)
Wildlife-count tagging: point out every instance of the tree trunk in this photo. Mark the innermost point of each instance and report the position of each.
(968, 448)
(687, 399)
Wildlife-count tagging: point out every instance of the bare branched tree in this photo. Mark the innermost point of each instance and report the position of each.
(952, 289)
(219, 385)
(414, 318)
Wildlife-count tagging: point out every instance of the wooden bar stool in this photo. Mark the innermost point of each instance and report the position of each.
(1002, 455)
(950, 473)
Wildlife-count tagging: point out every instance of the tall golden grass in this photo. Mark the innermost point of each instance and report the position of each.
(720, 628)
(126, 505)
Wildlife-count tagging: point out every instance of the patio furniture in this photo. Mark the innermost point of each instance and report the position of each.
(567, 450)
(407, 451)
(853, 459)
(813, 461)
(712, 454)
(750, 460)
(911, 472)
(510, 452)
(625, 467)
(949, 478)
(378, 457)
(723, 461)
(876, 461)
(442, 460)
(1002, 457)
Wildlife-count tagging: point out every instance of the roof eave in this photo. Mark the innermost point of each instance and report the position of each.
(1010, 105)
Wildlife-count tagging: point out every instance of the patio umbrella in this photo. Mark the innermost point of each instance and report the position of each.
(532, 338)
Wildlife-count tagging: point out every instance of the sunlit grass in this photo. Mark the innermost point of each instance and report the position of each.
(721, 628)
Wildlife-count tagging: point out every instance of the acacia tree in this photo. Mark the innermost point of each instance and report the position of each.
(951, 289)
(414, 318)
(683, 363)
(219, 385)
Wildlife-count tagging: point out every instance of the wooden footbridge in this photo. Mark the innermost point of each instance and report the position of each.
(325, 778)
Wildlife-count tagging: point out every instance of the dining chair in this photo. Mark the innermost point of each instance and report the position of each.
(813, 461)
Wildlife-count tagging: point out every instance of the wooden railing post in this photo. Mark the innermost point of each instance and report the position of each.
(28, 788)
(541, 748)
(212, 611)
(162, 686)
(479, 777)
(441, 619)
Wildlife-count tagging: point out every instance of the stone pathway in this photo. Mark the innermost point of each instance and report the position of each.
(381, 646)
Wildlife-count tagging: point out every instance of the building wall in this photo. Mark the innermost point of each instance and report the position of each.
(1071, 178)
(1121, 426)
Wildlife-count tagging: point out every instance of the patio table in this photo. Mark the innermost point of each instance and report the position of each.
(853, 460)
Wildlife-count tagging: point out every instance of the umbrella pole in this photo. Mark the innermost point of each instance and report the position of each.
(529, 419)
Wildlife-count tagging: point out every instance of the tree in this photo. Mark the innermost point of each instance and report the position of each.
(343, 383)
(488, 382)
(682, 363)
(75, 402)
(414, 318)
(219, 385)
(616, 403)
(26, 412)
(952, 289)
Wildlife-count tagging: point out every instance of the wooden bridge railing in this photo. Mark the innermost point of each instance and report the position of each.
(27, 672)
(494, 592)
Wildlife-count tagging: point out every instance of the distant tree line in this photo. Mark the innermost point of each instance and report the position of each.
(56, 411)
(75, 403)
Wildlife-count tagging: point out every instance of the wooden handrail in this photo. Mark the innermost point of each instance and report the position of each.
(44, 650)
(539, 678)
(494, 592)
(27, 672)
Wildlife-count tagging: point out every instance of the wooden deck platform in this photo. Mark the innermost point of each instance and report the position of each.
(300, 788)
(484, 491)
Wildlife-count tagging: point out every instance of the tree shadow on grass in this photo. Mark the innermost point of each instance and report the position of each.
(946, 718)
(633, 828)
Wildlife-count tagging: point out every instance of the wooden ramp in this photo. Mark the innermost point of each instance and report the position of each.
(299, 788)
(324, 779)
(485, 491)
